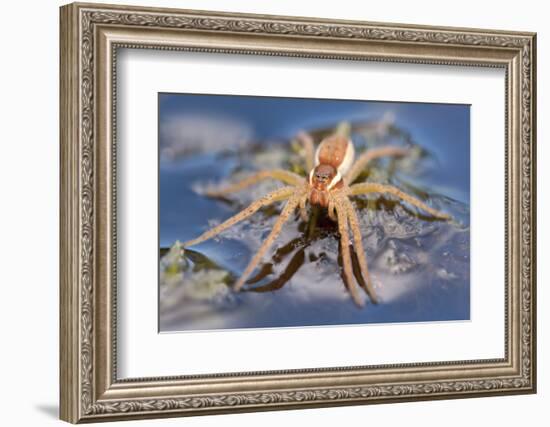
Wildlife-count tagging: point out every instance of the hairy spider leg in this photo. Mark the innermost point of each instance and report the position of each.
(371, 187)
(359, 250)
(346, 255)
(369, 155)
(309, 151)
(275, 231)
(274, 196)
(303, 208)
(284, 176)
(331, 209)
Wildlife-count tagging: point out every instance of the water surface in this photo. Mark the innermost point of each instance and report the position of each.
(420, 267)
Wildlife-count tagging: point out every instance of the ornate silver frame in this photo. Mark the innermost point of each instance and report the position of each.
(90, 36)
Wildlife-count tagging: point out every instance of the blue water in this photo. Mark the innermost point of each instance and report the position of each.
(420, 267)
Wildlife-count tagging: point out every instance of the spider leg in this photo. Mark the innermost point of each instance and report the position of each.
(274, 196)
(371, 187)
(277, 227)
(359, 250)
(307, 143)
(303, 208)
(346, 255)
(369, 155)
(278, 174)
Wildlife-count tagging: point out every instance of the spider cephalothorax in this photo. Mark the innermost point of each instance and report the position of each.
(329, 185)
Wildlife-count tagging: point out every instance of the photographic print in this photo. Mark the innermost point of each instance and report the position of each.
(293, 212)
(336, 230)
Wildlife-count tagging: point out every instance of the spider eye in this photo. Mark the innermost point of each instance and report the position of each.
(323, 174)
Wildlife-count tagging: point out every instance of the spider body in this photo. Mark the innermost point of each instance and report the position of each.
(329, 185)
(333, 159)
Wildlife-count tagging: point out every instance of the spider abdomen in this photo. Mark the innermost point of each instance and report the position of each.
(336, 151)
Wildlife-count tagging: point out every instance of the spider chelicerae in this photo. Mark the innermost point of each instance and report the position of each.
(329, 184)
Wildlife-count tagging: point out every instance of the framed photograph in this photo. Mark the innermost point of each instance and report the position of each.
(267, 212)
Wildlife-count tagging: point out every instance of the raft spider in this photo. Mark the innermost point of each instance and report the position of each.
(329, 184)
